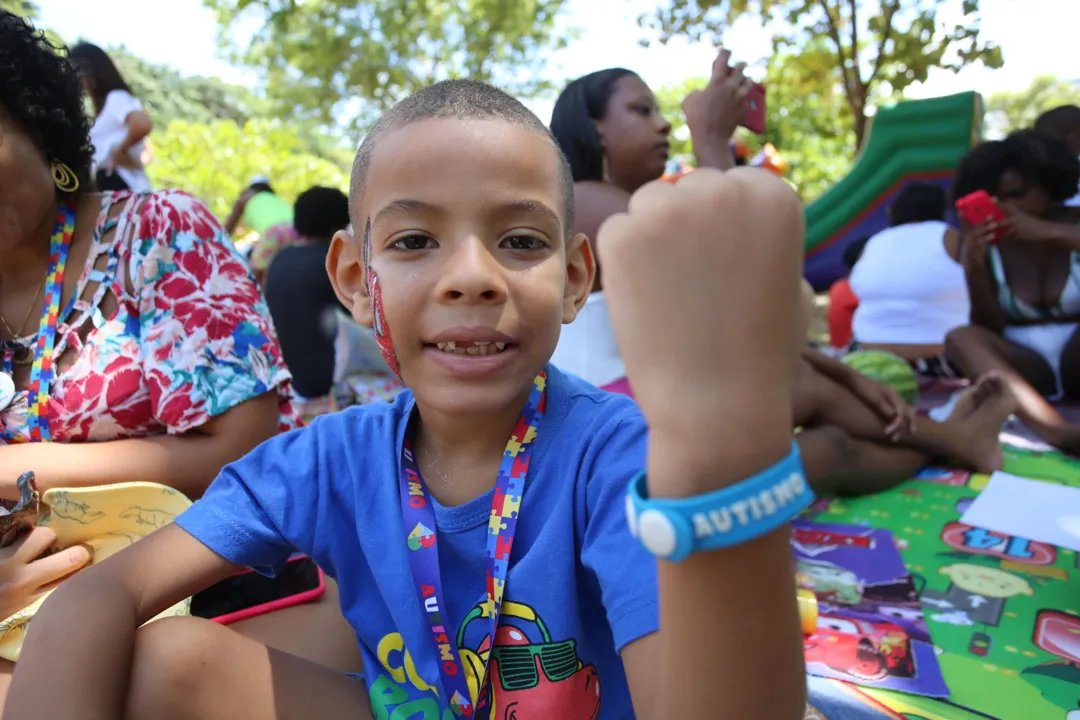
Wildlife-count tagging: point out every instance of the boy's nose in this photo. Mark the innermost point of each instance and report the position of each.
(472, 275)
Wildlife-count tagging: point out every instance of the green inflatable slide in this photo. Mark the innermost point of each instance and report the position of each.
(916, 141)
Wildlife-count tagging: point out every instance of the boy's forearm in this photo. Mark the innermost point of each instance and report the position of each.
(77, 655)
(720, 602)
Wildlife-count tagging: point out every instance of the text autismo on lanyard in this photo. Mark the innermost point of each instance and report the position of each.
(422, 542)
(42, 370)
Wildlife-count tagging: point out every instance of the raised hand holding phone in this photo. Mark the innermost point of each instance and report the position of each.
(717, 396)
(713, 112)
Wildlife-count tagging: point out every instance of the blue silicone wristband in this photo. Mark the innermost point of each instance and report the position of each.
(674, 528)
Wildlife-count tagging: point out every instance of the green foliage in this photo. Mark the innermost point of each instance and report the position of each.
(214, 161)
(351, 59)
(807, 119)
(876, 47)
(1007, 111)
(24, 8)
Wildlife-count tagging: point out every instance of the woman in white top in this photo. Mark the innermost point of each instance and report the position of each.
(910, 283)
(120, 123)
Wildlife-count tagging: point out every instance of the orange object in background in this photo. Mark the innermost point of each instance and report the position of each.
(770, 159)
(808, 610)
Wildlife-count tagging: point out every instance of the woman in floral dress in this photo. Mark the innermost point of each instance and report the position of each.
(134, 343)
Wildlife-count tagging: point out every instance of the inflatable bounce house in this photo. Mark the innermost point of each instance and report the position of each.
(916, 141)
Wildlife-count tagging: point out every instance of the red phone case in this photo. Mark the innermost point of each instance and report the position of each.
(754, 120)
(979, 207)
(297, 599)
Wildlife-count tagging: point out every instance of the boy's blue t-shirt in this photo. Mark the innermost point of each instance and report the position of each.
(579, 586)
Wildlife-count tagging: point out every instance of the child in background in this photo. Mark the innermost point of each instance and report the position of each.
(465, 262)
(842, 300)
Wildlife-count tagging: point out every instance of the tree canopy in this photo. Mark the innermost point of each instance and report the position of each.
(876, 47)
(350, 59)
(214, 161)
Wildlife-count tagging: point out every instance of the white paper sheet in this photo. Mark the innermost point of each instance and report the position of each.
(1030, 509)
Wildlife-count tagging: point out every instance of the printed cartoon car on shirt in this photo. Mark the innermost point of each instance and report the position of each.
(533, 680)
(868, 651)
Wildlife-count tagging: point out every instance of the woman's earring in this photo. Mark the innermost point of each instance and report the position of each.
(64, 178)
(603, 168)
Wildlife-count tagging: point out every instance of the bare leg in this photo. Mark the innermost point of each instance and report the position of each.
(971, 438)
(188, 668)
(315, 631)
(1029, 378)
(838, 464)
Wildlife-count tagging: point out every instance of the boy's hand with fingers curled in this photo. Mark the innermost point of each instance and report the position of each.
(687, 305)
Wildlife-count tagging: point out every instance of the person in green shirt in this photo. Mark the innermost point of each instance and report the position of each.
(260, 210)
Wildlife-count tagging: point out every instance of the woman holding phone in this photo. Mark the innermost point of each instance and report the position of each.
(1023, 276)
(609, 126)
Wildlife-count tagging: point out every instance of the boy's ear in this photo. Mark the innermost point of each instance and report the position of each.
(345, 266)
(580, 274)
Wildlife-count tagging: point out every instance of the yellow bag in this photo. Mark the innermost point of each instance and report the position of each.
(107, 518)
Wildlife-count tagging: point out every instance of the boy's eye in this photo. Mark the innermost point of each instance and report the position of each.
(414, 242)
(523, 242)
(643, 110)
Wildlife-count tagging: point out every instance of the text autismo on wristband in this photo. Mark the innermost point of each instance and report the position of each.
(675, 528)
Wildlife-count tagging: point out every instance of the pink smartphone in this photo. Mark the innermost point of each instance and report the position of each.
(248, 594)
(754, 120)
(977, 208)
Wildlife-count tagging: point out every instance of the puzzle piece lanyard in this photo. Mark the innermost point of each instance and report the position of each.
(42, 371)
(424, 551)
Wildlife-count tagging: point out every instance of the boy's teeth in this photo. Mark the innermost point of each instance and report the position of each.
(477, 348)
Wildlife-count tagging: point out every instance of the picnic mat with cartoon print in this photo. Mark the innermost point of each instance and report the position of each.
(1003, 612)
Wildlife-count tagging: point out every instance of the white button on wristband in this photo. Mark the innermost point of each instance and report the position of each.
(674, 528)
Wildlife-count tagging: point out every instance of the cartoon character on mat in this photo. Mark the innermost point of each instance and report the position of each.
(531, 680)
(978, 591)
(867, 651)
(829, 582)
(1057, 633)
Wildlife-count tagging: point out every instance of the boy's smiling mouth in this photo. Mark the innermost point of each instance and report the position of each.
(471, 350)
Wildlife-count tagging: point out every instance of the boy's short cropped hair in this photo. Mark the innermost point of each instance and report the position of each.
(463, 100)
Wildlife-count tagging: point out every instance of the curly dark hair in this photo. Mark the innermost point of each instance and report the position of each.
(42, 93)
(1038, 158)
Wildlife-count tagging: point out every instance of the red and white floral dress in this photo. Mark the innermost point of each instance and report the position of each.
(166, 329)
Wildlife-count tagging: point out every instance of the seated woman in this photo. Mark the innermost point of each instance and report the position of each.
(329, 355)
(910, 283)
(146, 344)
(1025, 285)
(609, 126)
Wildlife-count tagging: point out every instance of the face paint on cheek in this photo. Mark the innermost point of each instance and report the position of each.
(382, 329)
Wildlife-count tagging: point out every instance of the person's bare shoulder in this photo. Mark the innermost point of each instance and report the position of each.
(594, 203)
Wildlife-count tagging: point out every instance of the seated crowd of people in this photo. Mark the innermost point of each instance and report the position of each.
(461, 278)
